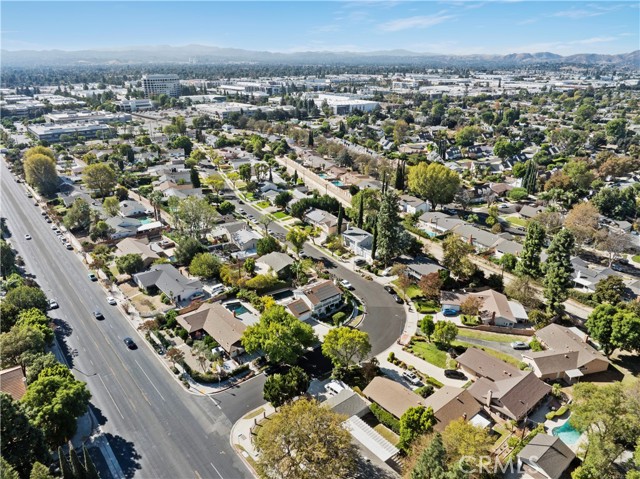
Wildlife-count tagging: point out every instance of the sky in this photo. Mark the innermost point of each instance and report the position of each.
(446, 27)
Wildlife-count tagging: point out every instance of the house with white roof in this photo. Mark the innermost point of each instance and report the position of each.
(358, 241)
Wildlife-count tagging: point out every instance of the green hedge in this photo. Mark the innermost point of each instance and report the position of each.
(584, 298)
(434, 382)
(385, 418)
(561, 410)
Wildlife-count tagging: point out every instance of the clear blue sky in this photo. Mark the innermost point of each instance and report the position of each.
(456, 27)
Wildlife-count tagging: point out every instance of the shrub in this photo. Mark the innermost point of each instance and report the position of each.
(392, 357)
(560, 412)
(535, 345)
(434, 382)
(425, 391)
(170, 322)
(182, 333)
(385, 418)
(339, 318)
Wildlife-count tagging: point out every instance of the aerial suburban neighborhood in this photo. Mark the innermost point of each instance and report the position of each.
(223, 263)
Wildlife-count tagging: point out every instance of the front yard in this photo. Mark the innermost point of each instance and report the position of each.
(430, 353)
(280, 215)
(514, 220)
(487, 336)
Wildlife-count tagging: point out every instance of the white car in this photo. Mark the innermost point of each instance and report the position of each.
(412, 378)
(111, 300)
(346, 284)
(27, 237)
(503, 206)
(519, 345)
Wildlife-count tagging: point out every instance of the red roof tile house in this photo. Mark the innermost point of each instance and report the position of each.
(13, 382)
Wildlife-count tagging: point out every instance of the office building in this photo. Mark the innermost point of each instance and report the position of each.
(69, 131)
(161, 85)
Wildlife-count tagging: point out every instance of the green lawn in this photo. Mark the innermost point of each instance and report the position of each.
(263, 204)
(516, 221)
(387, 433)
(280, 215)
(430, 353)
(636, 258)
(486, 336)
(496, 354)
(412, 291)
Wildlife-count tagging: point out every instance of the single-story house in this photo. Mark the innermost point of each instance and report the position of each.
(480, 239)
(586, 275)
(219, 323)
(275, 262)
(500, 387)
(131, 209)
(500, 189)
(421, 266)
(391, 396)
(528, 212)
(496, 308)
(436, 223)
(450, 403)
(166, 278)
(545, 456)
(327, 222)
(137, 246)
(411, 205)
(505, 246)
(123, 227)
(347, 402)
(245, 239)
(568, 356)
(323, 297)
(358, 241)
(13, 382)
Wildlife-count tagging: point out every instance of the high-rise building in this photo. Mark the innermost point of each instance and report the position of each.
(161, 84)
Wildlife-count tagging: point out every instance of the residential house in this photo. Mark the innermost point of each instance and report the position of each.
(568, 355)
(219, 323)
(137, 246)
(123, 227)
(323, 297)
(327, 222)
(167, 279)
(501, 388)
(587, 275)
(435, 223)
(505, 246)
(500, 189)
(450, 403)
(13, 382)
(391, 396)
(275, 263)
(421, 266)
(169, 189)
(245, 239)
(347, 402)
(132, 209)
(300, 309)
(545, 456)
(411, 205)
(496, 309)
(359, 242)
(528, 212)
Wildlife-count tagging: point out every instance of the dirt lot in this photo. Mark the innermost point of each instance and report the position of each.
(144, 304)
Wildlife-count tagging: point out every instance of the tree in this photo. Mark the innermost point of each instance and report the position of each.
(282, 199)
(282, 388)
(518, 194)
(245, 172)
(40, 471)
(297, 237)
(609, 290)
(432, 463)
(187, 249)
(215, 182)
(35, 318)
(467, 135)
(600, 326)
(226, 208)
(131, 263)
(27, 297)
(111, 206)
(616, 203)
(427, 326)
(195, 217)
(76, 465)
(521, 289)
(435, 182)
(471, 305)
(22, 444)
(65, 468)
(399, 131)
(445, 332)
(39, 362)
(614, 328)
(582, 221)
(613, 243)
(346, 346)
(305, 441)
(53, 403)
(455, 257)
(463, 440)
(616, 129)
(40, 172)
(430, 285)
(101, 178)
(174, 355)
(414, 422)
(558, 270)
(504, 149)
(8, 472)
(530, 178)
(392, 239)
(78, 217)
(267, 245)
(90, 469)
(626, 331)
(195, 177)
(279, 334)
(7, 259)
(509, 261)
(529, 264)
(205, 265)
(366, 204)
(185, 143)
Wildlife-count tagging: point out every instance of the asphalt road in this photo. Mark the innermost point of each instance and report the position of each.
(385, 318)
(154, 426)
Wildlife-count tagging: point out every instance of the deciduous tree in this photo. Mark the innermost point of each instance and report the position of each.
(445, 332)
(346, 346)
(131, 263)
(40, 172)
(101, 178)
(456, 257)
(205, 265)
(435, 182)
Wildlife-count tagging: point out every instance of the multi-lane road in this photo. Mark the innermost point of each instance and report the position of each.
(155, 427)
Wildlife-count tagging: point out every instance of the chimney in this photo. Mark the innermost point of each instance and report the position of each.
(489, 397)
(464, 416)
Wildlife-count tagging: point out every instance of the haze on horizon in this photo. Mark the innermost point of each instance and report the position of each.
(441, 27)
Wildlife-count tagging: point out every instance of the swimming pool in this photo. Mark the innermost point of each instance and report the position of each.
(322, 175)
(147, 220)
(337, 182)
(566, 433)
(237, 308)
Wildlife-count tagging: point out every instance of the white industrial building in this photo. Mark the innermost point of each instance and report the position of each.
(343, 105)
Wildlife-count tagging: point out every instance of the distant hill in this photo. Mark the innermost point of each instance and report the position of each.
(207, 54)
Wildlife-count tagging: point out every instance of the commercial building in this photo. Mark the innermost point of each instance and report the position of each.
(161, 85)
(101, 117)
(57, 133)
(343, 105)
(135, 105)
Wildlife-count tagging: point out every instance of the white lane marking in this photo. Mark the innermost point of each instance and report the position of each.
(114, 401)
(216, 469)
(154, 386)
(91, 362)
(214, 402)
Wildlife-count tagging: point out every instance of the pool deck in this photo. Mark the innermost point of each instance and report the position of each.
(551, 424)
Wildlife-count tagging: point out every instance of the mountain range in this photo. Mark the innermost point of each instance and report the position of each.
(202, 54)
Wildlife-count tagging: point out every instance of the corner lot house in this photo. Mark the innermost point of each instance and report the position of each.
(568, 355)
(358, 241)
(219, 323)
(501, 388)
(545, 456)
(411, 205)
(323, 297)
(167, 279)
(496, 309)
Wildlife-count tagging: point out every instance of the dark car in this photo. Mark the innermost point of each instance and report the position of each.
(92, 277)
(130, 343)
(454, 374)
(389, 289)
(450, 312)
(98, 315)
(397, 299)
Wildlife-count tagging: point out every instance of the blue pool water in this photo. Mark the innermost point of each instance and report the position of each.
(337, 182)
(237, 308)
(566, 433)
(322, 175)
(147, 220)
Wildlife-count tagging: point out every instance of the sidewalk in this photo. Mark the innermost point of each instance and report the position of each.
(241, 439)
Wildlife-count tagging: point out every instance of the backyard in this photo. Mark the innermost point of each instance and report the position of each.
(514, 220)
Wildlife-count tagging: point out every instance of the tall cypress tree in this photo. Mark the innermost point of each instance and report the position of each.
(340, 214)
(310, 141)
(89, 466)
(374, 245)
(529, 264)
(391, 237)
(384, 182)
(432, 461)
(76, 465)
(361, 211)
(65, 467)
(558, 270)
(530, 179)
(195, 178)
(399, 177)
(294, 178)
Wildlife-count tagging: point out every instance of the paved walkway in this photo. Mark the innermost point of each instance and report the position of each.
(241, 439)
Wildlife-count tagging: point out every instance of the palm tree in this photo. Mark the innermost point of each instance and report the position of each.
(155, 198)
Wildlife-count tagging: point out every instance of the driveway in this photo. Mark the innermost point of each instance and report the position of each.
(502, 347)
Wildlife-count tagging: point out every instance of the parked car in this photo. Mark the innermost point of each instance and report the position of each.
(130, 343)
(98, 315)
(68, 246)
(92, 277)
(397, 299)
(346, 284)
(359, 262)
(411, 377)
(454, 374)
(53, 304)
(519, 345)
(449, 311)
(389, 289)
(111, 300)
(27, 237)
(503, 206)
